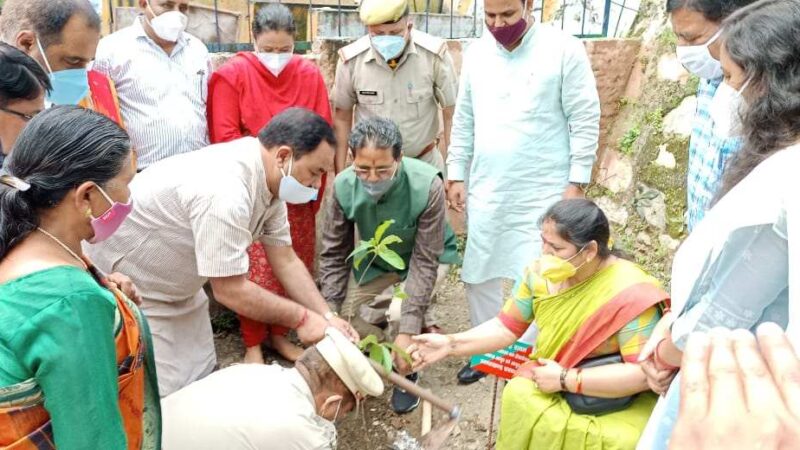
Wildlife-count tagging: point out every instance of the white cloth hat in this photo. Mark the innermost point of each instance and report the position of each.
(349, 363)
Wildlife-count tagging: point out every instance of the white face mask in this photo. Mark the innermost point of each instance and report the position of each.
(169, 25)
(726, 109)
(275, 62)
(294, 192)
(329, 426)
(698, 60)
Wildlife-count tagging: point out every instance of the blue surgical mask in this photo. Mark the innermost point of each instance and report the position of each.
(389, 46)
(377, 189)
(69, 86)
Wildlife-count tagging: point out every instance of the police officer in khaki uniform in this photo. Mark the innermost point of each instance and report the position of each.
(398, 73)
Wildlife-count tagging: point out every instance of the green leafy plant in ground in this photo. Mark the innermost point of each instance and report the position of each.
(378, 247)
(627, 141)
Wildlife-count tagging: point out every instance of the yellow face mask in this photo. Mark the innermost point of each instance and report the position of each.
(557, 270)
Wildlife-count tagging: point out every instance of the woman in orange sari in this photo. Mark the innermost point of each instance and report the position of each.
(589, 305)
(243, 96)
(76, 359)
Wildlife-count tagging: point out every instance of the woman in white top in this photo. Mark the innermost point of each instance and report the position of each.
(734, 269)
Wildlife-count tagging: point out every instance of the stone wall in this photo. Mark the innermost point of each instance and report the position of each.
(640, 175)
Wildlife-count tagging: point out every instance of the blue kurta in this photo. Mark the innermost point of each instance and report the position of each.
(526, 124)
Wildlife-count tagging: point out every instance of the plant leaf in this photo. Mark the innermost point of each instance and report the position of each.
(403, 354)
(371, 339)
(382, 229)
(387, 359)
(360, 258)
(393, 259)
(390, 239)
(376, 354)
(362, 246)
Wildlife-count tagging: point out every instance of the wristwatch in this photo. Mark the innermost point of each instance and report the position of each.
(330, 315)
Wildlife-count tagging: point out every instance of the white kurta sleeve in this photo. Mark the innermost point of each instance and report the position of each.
(462, 135)
(581, 104)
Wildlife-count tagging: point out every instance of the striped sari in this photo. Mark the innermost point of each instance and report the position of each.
(25, 423)
(583, 321)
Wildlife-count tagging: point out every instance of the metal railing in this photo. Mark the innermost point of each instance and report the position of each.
(582, 18)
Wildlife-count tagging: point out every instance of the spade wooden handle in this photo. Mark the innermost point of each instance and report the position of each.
(400, 381)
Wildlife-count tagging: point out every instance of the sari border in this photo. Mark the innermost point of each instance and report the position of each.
(609, 319)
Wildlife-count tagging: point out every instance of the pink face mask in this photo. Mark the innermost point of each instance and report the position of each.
(109, 222)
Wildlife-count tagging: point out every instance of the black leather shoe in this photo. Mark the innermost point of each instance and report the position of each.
(404, 402)
(468, 375)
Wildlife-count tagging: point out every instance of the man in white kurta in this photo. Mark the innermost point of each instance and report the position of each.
(525, 135)
(266, 407)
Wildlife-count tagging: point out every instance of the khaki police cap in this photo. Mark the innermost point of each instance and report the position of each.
(377, 12)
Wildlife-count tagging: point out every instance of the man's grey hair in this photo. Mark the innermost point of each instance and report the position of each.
(378, 132)
(321, 375)
(47, 18)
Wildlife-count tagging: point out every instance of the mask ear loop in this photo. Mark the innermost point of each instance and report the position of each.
(44, 56)
(745, 85)
(576, 254)
(714, 37)
(338, 407)
(291, 161)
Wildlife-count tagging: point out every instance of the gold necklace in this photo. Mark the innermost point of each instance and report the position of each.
(64, 246)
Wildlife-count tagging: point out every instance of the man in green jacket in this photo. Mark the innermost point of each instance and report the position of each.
(383, 186)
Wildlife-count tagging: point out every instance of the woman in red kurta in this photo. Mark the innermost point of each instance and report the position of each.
(244, 95)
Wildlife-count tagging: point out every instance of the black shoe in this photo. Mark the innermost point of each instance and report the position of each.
(468, 375)
(402, 401)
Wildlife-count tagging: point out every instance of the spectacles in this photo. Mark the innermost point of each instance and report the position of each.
(383, 173)
(25, 117)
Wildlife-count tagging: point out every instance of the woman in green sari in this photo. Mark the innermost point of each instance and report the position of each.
(76, 358)
(586, 303)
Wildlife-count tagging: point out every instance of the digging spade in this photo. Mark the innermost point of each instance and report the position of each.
(436, 437)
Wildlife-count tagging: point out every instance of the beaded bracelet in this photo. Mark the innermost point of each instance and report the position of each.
(563, 379)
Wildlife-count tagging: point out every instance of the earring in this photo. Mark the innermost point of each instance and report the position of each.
(89, 212)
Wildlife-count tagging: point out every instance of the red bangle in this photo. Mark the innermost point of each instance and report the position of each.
(579, 382)
(302, 319)
(661, 362)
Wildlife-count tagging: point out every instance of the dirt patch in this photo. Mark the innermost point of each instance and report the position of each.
(377, 427)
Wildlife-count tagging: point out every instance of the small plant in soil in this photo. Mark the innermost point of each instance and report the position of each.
(378, 247)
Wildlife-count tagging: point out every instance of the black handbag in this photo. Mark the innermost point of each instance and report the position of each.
(597, 406)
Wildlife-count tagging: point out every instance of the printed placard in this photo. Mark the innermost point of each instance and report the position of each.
(504, 362)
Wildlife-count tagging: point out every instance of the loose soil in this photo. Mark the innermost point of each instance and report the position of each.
(377, 427)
